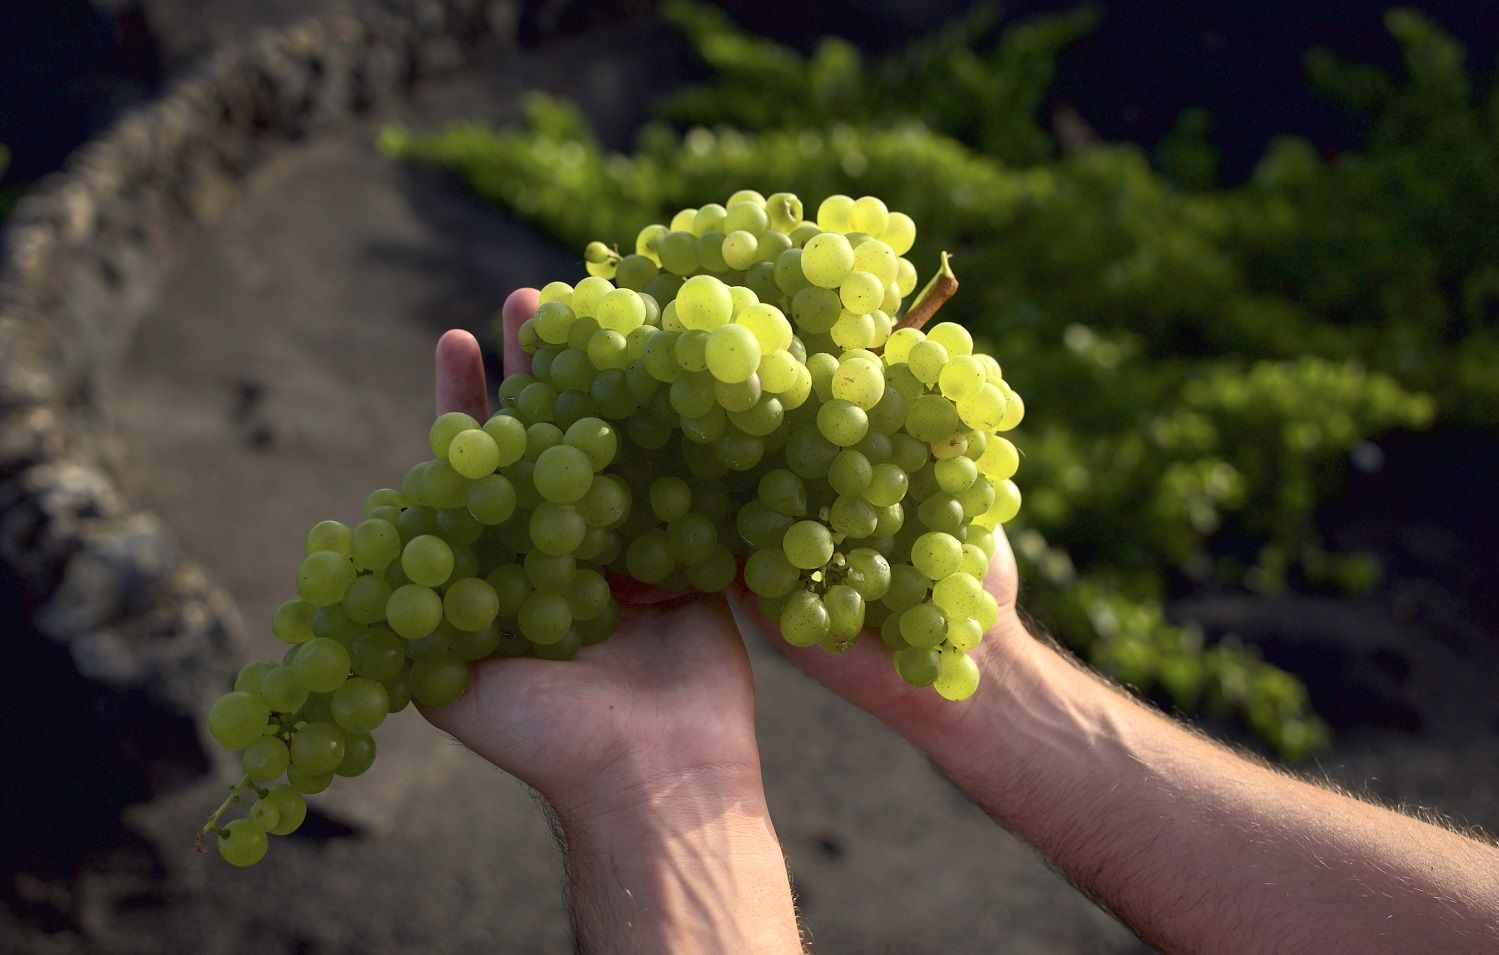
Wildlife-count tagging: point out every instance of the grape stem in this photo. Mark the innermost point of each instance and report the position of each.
(212, 824)
(942, 287)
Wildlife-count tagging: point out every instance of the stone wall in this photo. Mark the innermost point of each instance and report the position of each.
(146, 632)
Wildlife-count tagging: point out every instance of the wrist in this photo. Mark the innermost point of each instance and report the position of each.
(689, 863)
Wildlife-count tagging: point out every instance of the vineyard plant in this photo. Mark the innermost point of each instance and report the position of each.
(1200, 359)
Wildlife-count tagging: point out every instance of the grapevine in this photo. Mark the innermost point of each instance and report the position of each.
(736, 396)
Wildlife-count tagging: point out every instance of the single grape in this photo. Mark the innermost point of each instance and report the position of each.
(243, 843)
(237, 719)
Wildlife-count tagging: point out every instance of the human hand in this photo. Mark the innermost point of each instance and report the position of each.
(666, 702)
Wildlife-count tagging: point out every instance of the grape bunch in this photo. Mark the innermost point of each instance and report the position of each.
(739, 397)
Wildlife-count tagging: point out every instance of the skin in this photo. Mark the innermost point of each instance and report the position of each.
(655, 780)
(643, 746)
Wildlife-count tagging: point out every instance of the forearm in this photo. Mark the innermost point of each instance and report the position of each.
(1195, 848)
(692, 867)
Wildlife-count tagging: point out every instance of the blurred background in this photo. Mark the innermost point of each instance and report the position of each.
(1240, 260)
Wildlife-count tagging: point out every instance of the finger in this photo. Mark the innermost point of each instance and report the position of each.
(460, 375)
(520, 306)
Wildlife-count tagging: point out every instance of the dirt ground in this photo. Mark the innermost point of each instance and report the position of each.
(286, 371)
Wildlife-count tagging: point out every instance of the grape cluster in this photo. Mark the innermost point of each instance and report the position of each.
(735, 397)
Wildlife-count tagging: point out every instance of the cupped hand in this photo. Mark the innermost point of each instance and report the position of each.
(668, 695)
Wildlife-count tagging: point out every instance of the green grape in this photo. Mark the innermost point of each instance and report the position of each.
(491, 500)
(292, 622)
(983, 409)
(887, 485)
(251, 674)
(587, 295)
(899, 233)
(889, 520)
(308, 783)
(777, 371)
(427, 560)
(853, 330)
(317, 748)
(953, 337)
(738, 396)
(869, 216)
(768, 324)
(739, 249)
(470, 645)
(963, 633)
(975, 561)
(926, 361)
(751, 218)
(861, 292)
(804, 620)
(237, 719)
(788, 270)
(816, 309)
(842, 422)
(808, 544)
(1000, 459)
(908, 587)
(784, 210)
(243, 843)
(331, 536)
(360, 704)
(923, 625)
(958, 594)
(383, 497)
(563, 474)
(265, 758)
(446, 428)
(413, 611)
(859, 382)
(333, 623)
(365, 600)
(607, 349)
(905, 276)
(876, 258)
(850, 472)
(958, 677)
(809, 454)
(898, 347)
(596, 438)
(691, 538)
(977, 499)
(833, 213)
(931, 418)
(509, 436)
(291, 809)
(470, 604)
(283, 690)
(621, 311)
(827, 260)
(845, 608)
(376, 653)
(704, 303)
(732, 353)
(359, 755)
(557, 529)
(768, 573)
(868, 572)
(322, 664)
(1006, 505)
(918, 666)
(545, 617)
(715, 572)
(960, 377)
(678, 252)
(936, 554)
(956, 475)
(635, 272)
(707, 218)
(374, 544)
(853, 517)
(781, 491)
(760, 526)
(324, 577)
(606, 504)
(670, 498)
(587, 595)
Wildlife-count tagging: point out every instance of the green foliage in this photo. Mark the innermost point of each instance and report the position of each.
(1198, 361)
